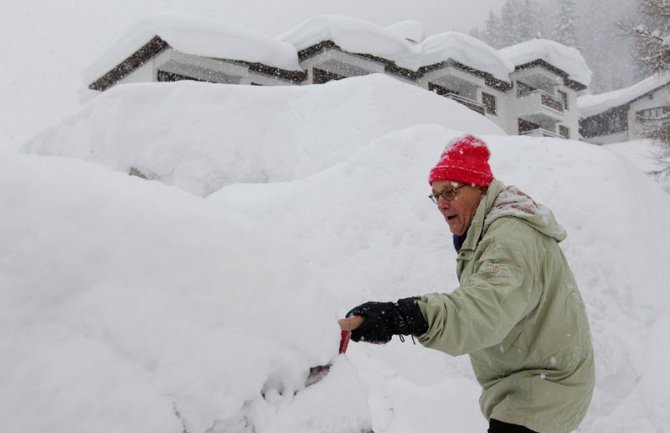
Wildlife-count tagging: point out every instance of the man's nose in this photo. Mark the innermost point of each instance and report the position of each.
(442, 203)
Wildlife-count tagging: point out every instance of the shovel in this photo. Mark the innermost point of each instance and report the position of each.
(346, 326)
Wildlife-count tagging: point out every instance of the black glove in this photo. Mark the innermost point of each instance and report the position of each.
(383, 320)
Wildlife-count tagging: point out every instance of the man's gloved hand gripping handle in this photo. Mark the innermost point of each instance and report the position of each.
(377, 322)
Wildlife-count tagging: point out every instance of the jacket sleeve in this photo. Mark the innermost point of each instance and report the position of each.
(496, 296)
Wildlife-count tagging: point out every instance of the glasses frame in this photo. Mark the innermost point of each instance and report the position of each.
(446, 194)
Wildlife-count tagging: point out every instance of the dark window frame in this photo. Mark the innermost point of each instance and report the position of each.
(321, 76)
(491, 103)
(165, 76)
(564, 97)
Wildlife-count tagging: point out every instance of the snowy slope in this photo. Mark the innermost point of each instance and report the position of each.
(387, 241)
(244, 133)
(647, 155)
(134, 306)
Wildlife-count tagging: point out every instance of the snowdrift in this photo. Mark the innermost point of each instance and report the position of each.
(131, 305)
(376, 236)
(200, 136)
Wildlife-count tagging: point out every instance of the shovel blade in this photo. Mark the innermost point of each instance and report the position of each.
(320, 371)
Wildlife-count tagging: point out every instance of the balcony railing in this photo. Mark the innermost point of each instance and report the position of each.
(546, 99)
(473, 105)
(654, 122)
(540, 132)
(551, 101)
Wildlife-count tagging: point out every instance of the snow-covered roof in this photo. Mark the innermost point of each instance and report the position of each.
(358, 36)
(201, 37)
(351, 34)
(590, 105)
(567, 59)
(410, 29)
(402, 43)
(466, 50)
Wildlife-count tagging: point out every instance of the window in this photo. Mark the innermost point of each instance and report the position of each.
(489, 102)
(615, 123)
(563, 131)
(610, 122)
(564, 98)
(321, 76)
(523, 89)
(170, 76)
(441, 90)
(526, 126)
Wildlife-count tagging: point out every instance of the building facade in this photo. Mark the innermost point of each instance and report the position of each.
(626, 114)
(524, 89)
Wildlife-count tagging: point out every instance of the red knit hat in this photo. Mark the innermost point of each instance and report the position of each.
(464, 160)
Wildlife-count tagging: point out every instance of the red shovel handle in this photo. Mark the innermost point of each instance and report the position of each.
(347, 325)
(344, 340)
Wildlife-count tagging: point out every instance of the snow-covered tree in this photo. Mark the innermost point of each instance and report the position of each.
(610, 54)
(492, 31)
(510, 18)
(662, 136)
(517, 22)
(589, 25)
(529, 20)
(566, 27)
(652, 34)
(652, 37)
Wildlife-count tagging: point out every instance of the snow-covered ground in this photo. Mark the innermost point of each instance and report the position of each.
(197, 301)
(647, 155)
(232, 134)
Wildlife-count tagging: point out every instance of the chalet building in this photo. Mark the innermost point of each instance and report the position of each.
(544, 100)
(530, 88)
(157, 60)
(172, 49)
(626, 114)
(331, 48)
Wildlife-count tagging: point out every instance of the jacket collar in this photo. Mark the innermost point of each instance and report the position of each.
(476, 229)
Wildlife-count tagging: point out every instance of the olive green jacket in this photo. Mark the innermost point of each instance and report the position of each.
(519, 315)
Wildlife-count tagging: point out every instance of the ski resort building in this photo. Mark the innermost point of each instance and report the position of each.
(530, 88)
(626, 114)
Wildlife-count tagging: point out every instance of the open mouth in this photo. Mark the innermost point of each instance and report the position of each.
(450, 217)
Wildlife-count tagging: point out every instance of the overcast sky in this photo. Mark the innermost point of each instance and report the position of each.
(45, 44)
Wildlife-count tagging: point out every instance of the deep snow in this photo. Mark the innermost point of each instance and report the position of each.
(135, 305)
(241, 133)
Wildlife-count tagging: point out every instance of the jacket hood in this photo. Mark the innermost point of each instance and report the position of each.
(509, 201)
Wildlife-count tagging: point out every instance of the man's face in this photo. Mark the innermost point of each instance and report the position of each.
(461, 209)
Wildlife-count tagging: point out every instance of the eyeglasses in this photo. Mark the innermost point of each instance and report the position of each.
(446, 194)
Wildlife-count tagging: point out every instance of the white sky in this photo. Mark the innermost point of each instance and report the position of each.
(44, 45)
